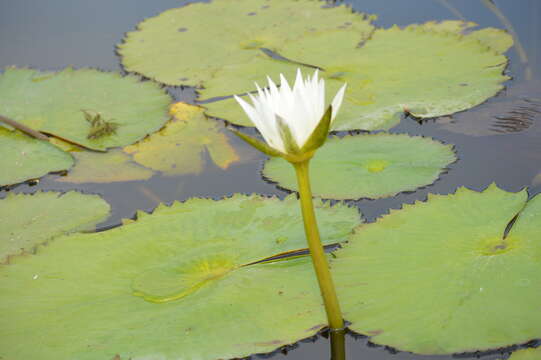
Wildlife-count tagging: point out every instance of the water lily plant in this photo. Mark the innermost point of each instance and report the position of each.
(294, 123)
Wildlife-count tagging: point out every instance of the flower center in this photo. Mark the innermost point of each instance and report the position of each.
(497, 246)
(376, 166)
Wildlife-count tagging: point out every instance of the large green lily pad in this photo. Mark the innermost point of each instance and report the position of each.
(429, 73)
(229, 51)
(526, 354)
(439, 277)
(368, 166)
(30, 220)
(176, 284)
(65, 104)
(24, 157)
(189, 45)
(181, 146)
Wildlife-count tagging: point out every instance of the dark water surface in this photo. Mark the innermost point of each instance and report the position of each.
(53, 34)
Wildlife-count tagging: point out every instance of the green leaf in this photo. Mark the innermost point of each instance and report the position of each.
(30, 220)
(259, 145)
(87, 300)
(320, 133)
(179, 148)
(526, 354)
(94, 109)
(290, 143)
(451, 72)
(24, 157)
(437, 277)
(193, 52)
(112, 166)
(368, 166)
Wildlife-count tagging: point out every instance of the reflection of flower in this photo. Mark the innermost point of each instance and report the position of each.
(291, 120)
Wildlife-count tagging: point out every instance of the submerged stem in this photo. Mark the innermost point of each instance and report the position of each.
(321, 266)
(338, 345)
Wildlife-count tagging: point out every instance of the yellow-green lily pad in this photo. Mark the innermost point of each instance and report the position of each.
(190, 44)
(368, 166)
(180, 147)
(420, 69)
(97, 110)
(30, 220)
(441, 277)
(177, 284)
(112, 166)
(24, 158)
(434, 69)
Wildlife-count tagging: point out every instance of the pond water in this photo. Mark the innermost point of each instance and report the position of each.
(51, 35)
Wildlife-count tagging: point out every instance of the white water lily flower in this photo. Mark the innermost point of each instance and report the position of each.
(298, 111)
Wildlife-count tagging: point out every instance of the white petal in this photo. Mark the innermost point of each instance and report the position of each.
(253, 114)
(258, 118)
(248, 109)
(272, 86)
(321, 97)
(284, 86)
(299, 82)
(301, 106)
(337, 101)
(252, 98)
(259, 91)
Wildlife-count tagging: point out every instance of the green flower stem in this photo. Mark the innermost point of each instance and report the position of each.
(321, 266)
(338, 345)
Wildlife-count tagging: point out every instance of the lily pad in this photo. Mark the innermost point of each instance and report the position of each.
(94, 109)
(180, 147)
(24, 157)
(112, 166)
(497, 39)
(439, 276)
(179, 283)
(368, 166)
(177, 47)
(30, 220)
(450, 72)
(526, 354)
(518, 111)
(453, 26)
